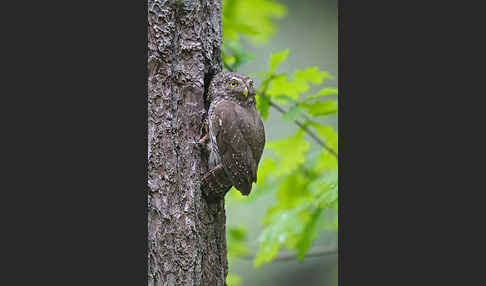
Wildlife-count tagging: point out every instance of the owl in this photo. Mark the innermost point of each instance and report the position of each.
(235, 133)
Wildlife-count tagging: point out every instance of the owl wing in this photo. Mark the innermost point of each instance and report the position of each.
(235, 129)
(257, 132)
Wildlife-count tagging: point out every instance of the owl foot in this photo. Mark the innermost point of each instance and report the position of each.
(206, 136)
(204, 139)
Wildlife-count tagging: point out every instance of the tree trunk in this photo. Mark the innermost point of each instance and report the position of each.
(186, 235)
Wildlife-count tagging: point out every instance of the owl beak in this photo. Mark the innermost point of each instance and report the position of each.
(245, 92)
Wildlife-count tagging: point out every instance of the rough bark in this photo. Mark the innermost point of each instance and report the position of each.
(186, 235)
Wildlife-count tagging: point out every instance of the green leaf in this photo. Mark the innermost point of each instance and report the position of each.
(262, 105)
(251, 17)
(283, 228)
(292, 192)
(312, 75)
(323, 92)
(277, 58)
(236, 237)
(233, 280)
(291, 151)
(309, 235)
(238, 55)
(262, 74)
(328, 198)
(284, 99)
(325, 190)
(327, 91)
(281, 86)
(241, 28)
(329, 135)
(237, 233)
(267, 252)
(321, 108)
(326, 161)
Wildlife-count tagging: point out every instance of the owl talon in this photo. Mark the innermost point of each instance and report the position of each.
(206, 129)
(204, 139)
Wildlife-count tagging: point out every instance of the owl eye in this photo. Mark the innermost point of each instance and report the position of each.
(251, 84)
(233, 83)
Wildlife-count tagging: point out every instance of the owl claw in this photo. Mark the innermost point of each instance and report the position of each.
(204, 139)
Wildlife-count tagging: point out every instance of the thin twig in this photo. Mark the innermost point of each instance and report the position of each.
(303, 126)
(286, 256)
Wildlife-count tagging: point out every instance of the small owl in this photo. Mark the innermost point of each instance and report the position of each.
(236, 135)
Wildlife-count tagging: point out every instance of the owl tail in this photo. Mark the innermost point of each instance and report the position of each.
(215, 184)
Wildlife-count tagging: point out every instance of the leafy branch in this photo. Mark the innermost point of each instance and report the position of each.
(301, 125)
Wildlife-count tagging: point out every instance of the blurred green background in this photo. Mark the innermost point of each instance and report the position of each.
(309, 30)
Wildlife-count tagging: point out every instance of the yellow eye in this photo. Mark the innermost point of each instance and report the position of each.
(233, 83)
(251, 84)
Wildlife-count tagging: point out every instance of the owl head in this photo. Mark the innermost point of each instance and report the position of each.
(232, 86)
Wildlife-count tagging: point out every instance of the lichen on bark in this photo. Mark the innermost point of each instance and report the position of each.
(186, 235)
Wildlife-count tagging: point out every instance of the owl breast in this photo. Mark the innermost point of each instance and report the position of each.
(237, 139)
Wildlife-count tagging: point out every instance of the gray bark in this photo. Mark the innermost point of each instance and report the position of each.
(186, 235)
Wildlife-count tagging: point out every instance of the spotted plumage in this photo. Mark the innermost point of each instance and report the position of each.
(236, 135)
